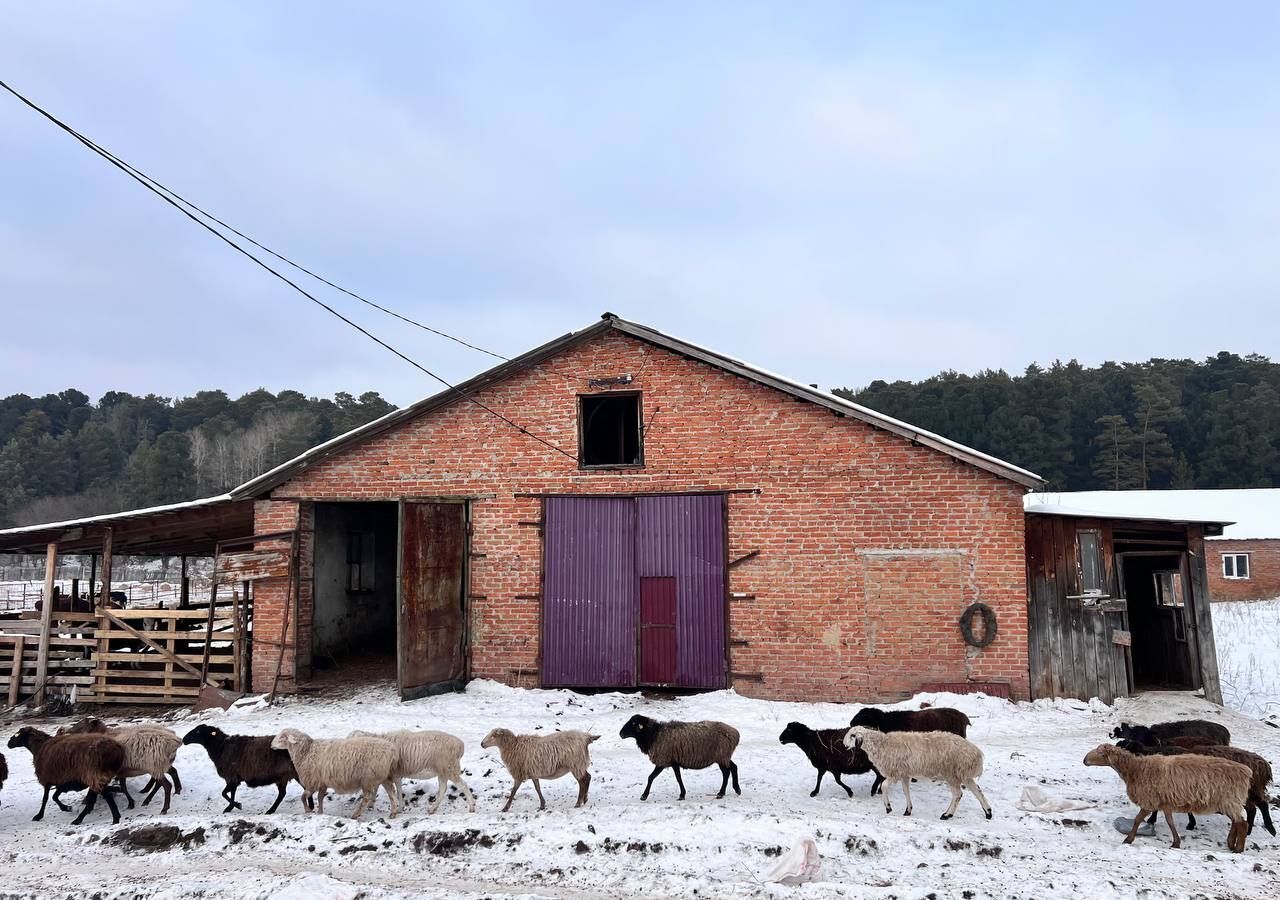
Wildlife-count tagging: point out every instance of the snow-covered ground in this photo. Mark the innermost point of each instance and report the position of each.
(1247, 635)
(619, 846)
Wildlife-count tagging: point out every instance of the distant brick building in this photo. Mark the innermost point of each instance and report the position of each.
(1244, 568)
(698, 523)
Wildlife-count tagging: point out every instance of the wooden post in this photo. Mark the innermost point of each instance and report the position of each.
(46, 621)
(106, 568)
(93, 575)
(184, 586)
(208, 625)
(75, 592)
(15, 673)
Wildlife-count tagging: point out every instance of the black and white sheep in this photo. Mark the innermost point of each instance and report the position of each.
(685, 745)
(89, 761)
(535, 757)
(938, 755)
(345, 764)
(934, 718)
(244, 759)
(1188, 783)
(826, 751)
(1187, 733)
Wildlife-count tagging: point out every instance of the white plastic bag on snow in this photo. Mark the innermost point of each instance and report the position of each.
(800, 864)
(1035, 800)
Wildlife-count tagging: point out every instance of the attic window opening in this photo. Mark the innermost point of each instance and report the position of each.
(609, 431)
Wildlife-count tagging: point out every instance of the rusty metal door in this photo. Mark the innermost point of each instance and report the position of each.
(659, 649)
(431, 615)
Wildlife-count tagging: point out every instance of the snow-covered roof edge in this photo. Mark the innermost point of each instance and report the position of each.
(283, 472)
(117, 516)
(1248, 513)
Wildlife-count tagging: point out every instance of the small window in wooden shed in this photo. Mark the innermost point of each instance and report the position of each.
(1169, 589)
(360, 565)
(1089, 554)
(609, 434)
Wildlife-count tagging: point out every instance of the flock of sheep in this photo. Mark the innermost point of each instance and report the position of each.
(1175, 767)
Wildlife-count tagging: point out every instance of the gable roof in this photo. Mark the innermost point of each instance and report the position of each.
(258, 487)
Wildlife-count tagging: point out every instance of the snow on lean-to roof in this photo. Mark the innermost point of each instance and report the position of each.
(1253, 512)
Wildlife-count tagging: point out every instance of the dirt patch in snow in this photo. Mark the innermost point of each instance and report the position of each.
(447, 843)
(150, 838)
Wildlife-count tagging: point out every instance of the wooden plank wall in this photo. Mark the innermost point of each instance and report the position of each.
(70, 657)
(1070, 642)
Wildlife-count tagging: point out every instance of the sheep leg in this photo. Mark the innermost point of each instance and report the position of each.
(583, 783)
(279, 796)
(124, 787)
(229, 794)
(1177, 840)
(956, 794)
(733, 770)
(389, 786)
(724, 771)
(164, 783)
(680, 781)
(877, 786)
(177, 782)
(818, 784)
(657, 770)
(1266, 815)
(150, 791)
(90, 799)
(1237, 837)
(111, 805)
(906, 794)
(542, 803)
(456, 778)
(1191, 821)
(43, 803)
(57, 799)
(366, 800)
(321, 791)
(515, 787)
(972, 784)
(442, 786)
(848, 790)
(1137, 822)
(884, 794)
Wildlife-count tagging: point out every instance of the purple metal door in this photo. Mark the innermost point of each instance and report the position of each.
(682, 537)
(658, 646)
(590, 594)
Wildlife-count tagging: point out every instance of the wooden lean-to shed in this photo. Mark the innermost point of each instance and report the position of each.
(1118, 599)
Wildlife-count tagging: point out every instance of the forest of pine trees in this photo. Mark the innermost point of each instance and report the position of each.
(62, 456)
(1158, 424)
(1164, 423)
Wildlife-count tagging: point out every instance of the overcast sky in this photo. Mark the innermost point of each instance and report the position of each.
(839, 192)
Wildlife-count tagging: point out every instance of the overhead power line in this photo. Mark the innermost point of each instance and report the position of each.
(163, 193)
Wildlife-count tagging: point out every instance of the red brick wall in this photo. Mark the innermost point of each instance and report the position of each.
(1263, 582)
(834, 496)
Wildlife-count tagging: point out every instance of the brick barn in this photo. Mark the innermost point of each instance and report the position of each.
(690, 521)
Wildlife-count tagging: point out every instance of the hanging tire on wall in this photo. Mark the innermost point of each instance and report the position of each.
(988, 625)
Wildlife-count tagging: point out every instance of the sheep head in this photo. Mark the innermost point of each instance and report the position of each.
(793, 733)
(289, 739)
(1103, 755)
(497, 738)
(636, 726)
(205, 735)
(23, 737)
(854, 737)
(868, 716)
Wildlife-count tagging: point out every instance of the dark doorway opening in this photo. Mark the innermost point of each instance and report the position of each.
(1157, 590)
(353, 629)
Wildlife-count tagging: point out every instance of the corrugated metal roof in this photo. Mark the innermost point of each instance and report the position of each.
(264, 483)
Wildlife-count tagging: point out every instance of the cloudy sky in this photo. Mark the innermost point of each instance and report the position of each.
(840, 192)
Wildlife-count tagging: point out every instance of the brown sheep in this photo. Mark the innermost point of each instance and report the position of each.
(90, 760)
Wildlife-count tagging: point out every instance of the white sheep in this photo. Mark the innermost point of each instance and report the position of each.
(938, 755)
(344, 764)
(427, 754)
(538, 756)
(148, 750)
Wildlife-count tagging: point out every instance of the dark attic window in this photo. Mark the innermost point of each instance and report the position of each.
(609, 431)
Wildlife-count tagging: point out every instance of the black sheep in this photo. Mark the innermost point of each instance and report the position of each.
(935, 718)
(1165, 733)
(244, 759)
(4, 770)
(827, 752)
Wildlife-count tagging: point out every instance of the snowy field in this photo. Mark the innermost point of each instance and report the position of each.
(619, 846)
(1247, 635)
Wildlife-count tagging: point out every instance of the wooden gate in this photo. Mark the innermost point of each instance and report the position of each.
(431, 615)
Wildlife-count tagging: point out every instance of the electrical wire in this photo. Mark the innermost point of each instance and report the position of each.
(160, 192)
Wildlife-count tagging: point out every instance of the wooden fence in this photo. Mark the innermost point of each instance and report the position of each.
(128, 655)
